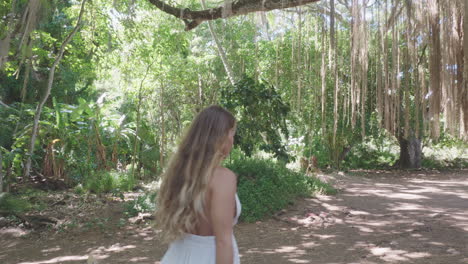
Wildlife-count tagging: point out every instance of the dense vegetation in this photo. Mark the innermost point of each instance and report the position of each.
(95, 94)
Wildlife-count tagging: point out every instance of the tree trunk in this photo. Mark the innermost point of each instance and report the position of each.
(221, 52)
(379, 72)
(50, 81)
(163, 132)
(464, 92)
(334, 70)
(410, 153)
(364, 69)
(323, 75)
(140, 98)
(5, 42)
(435, 70)
(1, 171)
(387, 89)
(299, 63)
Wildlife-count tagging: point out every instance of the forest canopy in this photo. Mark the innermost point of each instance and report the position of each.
(111, 85)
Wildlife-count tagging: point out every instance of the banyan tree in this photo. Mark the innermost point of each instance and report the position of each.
(420, 85)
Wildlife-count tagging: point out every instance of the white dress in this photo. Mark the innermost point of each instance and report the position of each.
(193, 249)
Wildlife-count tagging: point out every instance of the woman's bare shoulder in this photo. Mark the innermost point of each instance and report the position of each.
(224, 177)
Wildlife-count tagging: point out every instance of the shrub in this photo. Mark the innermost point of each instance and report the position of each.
(79, 189)
(10, 203)
(142, 204)
(266, 187)
(448, 153)
(105, 182)
(373, 154)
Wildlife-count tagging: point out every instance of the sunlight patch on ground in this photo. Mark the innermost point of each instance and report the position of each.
(13, 231)
(256, 251)
(364, 229)
(58, 260)
(395, 255)
(114, 248)
(9, 245)
(138, 259)
(298, 261)
(54, 249)
(408, 207)
(418, 189)
(310, 244)
(395, 195)
(325, 236)
(286, 249)
(356, 212)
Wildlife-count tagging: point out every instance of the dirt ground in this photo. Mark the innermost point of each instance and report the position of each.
(377, 217)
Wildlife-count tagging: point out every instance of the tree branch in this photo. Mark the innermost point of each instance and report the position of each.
(4, 105)
(50, 81)
(345, 4)
(322, 10)
(396, 11)
(193, 18)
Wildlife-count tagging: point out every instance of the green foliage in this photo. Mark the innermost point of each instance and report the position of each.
(321, 151)
(79, 189)
(142, 204)
(365, 156)
(108, 181)
(447, 153)
(265, 187)
(317, 186)
(11, 203)
(261, 116)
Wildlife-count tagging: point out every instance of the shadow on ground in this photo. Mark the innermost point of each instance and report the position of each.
(378, 217)
(386, 217)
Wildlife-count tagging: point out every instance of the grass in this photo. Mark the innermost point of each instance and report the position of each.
(265, 187)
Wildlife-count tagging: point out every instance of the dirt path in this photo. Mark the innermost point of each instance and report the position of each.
(380, 217)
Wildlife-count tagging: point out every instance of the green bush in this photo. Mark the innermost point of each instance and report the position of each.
(109, 181)
(142, 204)
(448, 153)
(10, 203)
(432, 162)
(266, 187)
(369, 155)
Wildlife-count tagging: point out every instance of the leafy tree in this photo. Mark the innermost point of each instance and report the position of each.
(261, 115)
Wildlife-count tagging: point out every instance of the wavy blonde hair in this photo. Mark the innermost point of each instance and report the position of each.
(181, 198)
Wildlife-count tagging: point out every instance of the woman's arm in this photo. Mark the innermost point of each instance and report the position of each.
(223, 191)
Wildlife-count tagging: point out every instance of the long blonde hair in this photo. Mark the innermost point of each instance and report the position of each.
(184, 185)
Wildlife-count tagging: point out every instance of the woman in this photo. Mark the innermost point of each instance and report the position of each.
(197, 204)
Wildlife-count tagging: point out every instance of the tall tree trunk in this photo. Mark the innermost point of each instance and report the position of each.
(394, 75)
(464, 92)
(354, 59)
(364, 66)
(221, 51)
(334, 71)
(379, 72)
(163, 132)
(1, 171)
(409, 63)
(410, 153)
(5, 42)
(415, 67)
(50, 81)
(387, 88)
(299, 63)
(323, 75)
(277, 64)
(137, 129)
(201, 101)
(435, 69)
